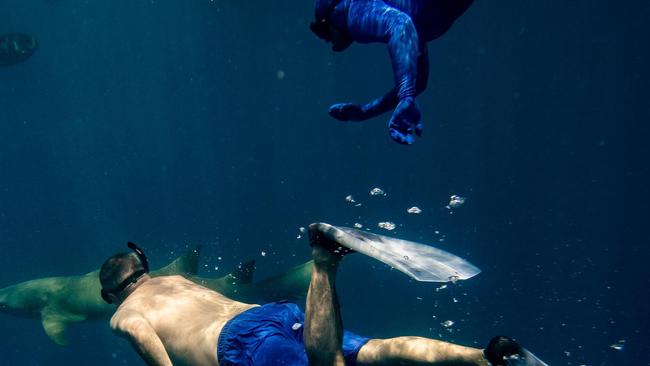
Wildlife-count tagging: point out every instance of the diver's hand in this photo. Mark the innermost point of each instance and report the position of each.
(405, 121)
(349, 112)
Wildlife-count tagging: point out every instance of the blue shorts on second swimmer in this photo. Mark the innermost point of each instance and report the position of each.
(271, 334)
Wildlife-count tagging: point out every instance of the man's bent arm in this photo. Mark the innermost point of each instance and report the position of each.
(389, 100)
(374, 21)
(144, 339)
(386, 102)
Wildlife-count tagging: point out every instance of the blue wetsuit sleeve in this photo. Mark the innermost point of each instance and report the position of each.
(389, 100)
(374, 21)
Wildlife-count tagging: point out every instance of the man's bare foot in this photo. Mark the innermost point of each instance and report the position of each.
(323, 257)
(501, 347)
(325, 251)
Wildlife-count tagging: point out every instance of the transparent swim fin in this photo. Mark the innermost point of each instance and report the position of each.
(528, 359)
(419, 261)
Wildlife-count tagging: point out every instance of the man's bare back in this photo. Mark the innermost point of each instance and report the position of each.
(183, 317)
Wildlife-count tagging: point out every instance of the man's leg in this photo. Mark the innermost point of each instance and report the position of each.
(323, 326)
(418, 351)
(324, 329)
(323, 333)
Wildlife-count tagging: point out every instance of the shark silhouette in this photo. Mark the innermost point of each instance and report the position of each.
(61, 301)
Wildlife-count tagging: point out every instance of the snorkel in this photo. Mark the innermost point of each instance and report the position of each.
(141, 256)
(132, 278)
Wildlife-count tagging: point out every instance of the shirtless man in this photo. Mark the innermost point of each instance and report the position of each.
(173, 321)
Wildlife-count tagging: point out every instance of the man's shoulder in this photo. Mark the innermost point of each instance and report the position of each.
(123, 316)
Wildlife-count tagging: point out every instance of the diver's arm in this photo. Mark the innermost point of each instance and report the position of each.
(388, 101)
(374, 21)
(143, 338)
(403, 47)
(380, 106)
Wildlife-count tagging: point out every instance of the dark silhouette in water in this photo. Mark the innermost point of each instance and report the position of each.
(16, 48)
(406, 26)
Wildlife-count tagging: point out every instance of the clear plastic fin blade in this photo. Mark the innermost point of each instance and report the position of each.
(419, 261)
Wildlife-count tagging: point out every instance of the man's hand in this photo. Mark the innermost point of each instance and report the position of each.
(405, 121)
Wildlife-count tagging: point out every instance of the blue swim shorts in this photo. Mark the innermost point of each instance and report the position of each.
(271, 334)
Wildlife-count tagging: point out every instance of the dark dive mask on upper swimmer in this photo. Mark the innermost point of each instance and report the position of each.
(324, 29)
(132, 278)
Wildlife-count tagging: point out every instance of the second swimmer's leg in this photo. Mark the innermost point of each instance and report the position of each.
(418, 351)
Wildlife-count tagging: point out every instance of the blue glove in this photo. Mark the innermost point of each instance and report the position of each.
(405, 121)
(348, 112)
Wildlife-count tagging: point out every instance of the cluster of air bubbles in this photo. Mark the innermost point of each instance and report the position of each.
(455, 201)
(301, 230)
(387, 225)
(447, 323)
(377, 192)
(618, 346)
(414, 210)
(350, 199)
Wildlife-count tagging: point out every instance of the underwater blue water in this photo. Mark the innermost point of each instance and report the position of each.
(178, 123)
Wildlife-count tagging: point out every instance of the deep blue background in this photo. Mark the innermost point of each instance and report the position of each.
(164, 123)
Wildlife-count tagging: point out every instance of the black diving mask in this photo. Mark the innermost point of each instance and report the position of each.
(324, 29)
(330, 33)
(321, 28)
(133, 278)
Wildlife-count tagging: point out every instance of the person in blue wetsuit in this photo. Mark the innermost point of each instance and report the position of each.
(406, 26)
(170, 320)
